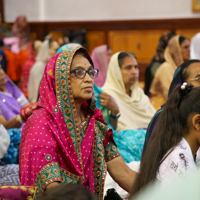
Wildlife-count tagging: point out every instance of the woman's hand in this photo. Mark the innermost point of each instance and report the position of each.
(108, 102)
(26, 112)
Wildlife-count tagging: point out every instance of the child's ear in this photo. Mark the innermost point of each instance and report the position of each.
(196, 121)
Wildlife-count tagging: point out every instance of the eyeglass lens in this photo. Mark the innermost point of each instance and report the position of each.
(80, 73)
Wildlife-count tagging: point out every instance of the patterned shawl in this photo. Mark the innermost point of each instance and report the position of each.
(53, 146)
(100, 59)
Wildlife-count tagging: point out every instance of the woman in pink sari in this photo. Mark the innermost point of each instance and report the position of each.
(66, 140)
(101, 56)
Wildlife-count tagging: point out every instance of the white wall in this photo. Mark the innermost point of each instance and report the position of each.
(87, 10)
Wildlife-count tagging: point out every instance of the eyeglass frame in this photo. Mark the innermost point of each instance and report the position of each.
(85, 71)
(195, 79)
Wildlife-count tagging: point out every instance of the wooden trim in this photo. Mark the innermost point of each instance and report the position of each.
(153, 24)
(42, 28)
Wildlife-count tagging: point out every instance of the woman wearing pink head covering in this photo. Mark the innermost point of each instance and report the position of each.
(67, 140)
(101, 56)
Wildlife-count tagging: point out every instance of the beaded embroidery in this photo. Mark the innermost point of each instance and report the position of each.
(66, 104)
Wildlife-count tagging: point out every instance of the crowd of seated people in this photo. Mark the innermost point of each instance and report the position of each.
(176, 52)
(68, 118)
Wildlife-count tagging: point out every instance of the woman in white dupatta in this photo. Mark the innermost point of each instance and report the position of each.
(135, 107)
(47, 50)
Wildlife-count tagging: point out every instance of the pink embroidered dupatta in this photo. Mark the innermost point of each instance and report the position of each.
(52, 146)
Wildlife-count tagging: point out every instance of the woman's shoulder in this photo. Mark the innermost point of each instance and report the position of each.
(102, 129)
(163, 66)
(39, 119)
(37, 66)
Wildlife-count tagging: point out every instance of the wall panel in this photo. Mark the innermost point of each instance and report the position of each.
(142, 43)
(189, 33)
(94, 39)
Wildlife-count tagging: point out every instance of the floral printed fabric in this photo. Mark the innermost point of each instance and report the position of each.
(130, 144)
(12, 157)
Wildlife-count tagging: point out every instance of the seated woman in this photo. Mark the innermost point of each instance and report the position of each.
(101, 56)
(172, 150)
(21, 30)
(157, 60)
(47, 50)
(16, 55)
(12, 101)
(187, 72)
(109, 107)
(33, 51)
(177, 52)
(135, 107)
(12, 43)
(14, 110)
(79, 146)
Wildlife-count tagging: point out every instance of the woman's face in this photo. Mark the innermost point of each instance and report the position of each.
(194, 74)
(53, 48)
(185, 50)
(130, 71)
(82, 88)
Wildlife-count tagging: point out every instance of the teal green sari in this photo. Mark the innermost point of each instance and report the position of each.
(129, 142)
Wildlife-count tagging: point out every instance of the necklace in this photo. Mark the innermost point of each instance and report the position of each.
(81, 119)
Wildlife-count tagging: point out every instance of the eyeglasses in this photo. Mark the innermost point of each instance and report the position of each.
(195, 79)
(81, 73)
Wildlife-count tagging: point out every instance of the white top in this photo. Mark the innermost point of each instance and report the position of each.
(110, 183)
(177, 165)
(4, 141)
